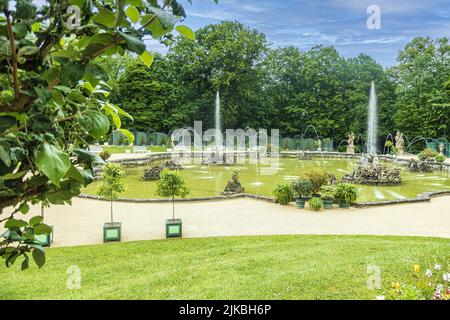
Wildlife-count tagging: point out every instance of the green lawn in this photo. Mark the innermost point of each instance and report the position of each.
(278, 267)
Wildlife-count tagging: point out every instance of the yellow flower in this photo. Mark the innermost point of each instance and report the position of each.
(395, 285)
(416, 268)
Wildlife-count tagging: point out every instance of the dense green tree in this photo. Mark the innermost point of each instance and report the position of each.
(288, 88)
(423, 72)
(227, 57)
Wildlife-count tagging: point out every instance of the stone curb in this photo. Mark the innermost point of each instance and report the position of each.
(218, 198)
(423, 197)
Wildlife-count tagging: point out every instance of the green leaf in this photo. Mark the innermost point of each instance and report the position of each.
(71, 73)
(186, 32)
(13, 223)
(35, 26)
(39, 257)
(25, 263)
(106, 18)
(4, 156)
(133, 44)
(127, 134)
(20, 30)
(75, 174)
(28, 50)
(24, 208)
(96, 124)
(147, 58)
(36, 220)
(53, 162)
(95, 73)
(41, 229)
(88, 157)
(177, 9)
(133, 14)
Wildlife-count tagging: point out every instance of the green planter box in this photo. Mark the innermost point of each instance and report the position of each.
(112, 232)
(174, 228)
(300, 203)
(45, 239)
(344, 205)
(328, 204)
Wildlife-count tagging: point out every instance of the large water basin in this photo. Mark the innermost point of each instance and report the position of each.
(260, 179)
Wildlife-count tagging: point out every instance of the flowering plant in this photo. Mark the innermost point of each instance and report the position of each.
(432, 283)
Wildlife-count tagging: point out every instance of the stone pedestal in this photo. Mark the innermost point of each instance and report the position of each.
(400, 152)
(351, 150)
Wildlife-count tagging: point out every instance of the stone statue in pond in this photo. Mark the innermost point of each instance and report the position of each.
(441, 149)
(400, 144)
(233, 186)
(351, 143)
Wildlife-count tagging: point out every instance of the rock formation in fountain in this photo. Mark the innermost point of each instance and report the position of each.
(400, 144)
(420, 166)
(154, 173)
(233, 186)
(374, 174)
(171, 165)
(372, 125)
(351, 143)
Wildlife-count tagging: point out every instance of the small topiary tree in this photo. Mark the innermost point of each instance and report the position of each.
(301, 188)
(171, 185)
(111, 186)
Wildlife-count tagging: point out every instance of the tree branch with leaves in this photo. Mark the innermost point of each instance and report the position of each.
(54, 99)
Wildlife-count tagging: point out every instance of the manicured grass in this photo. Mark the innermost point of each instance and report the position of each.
(277, 267)
(123, 149)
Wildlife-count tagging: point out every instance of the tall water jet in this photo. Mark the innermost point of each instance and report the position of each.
(372, 123)
(218, 122)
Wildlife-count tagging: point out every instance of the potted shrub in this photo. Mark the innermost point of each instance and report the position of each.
(318, 178)
(110, 188)
(301, 190)
(327, 197)
(170, 186)
(283, 194)
(345, 194)
(315, 204)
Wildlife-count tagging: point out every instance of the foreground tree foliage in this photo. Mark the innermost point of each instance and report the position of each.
(54, 99)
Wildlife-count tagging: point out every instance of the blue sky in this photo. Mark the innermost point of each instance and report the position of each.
(340, 23)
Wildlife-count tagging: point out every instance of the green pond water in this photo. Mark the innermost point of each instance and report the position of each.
(208, 181)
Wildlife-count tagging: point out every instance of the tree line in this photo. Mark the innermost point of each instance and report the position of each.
(284, 88)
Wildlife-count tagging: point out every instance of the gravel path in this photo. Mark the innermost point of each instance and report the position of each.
(82, 222)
